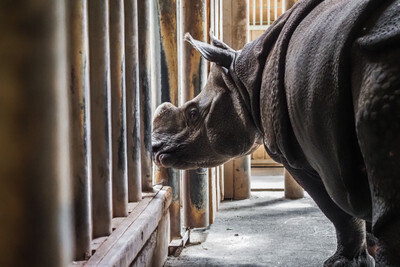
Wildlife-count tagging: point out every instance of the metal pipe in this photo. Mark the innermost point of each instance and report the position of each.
(80, 127)
(194, 68)
(35, 225)
(100, 116)
(145, 91)
(118, 109)
(132, 102)
(166, 21)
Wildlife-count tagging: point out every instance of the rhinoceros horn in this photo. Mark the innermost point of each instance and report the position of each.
(218, 52)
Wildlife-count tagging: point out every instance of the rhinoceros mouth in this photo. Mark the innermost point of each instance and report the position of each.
(164, 159)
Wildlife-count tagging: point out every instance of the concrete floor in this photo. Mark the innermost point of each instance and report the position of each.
(265, 230)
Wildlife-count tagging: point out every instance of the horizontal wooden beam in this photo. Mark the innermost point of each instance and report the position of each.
(131, 235)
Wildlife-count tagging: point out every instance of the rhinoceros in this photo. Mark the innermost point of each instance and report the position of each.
(320, 89)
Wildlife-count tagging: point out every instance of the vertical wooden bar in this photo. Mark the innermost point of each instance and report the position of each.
(100, 116)
(167, 24)
(217, 187)
(144, 31)
(269, 12)
(195, 182)
(236, 34)
(221, 182)
(132, 102)
(118, 109)
(241, 178)
(275, 9)
(212, 194)
(35, 225)
(80, 126)
(292, 189)
(261, 11)
(228, 180)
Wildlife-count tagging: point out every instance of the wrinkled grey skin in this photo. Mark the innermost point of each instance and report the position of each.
(321, 90)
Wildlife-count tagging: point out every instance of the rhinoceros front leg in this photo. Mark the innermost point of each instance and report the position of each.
(350, 232)
(378, 127)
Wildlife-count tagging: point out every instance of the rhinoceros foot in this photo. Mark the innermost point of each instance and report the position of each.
(338, 260)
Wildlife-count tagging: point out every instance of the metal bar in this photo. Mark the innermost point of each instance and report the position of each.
(283, 6)
(216, 18)
(167, 25)
(80, 127)
(268, 12)
(221, 19)
(254, 12)
(195, 182)
(261, 12)
(34, 121)
(100, 116)
(212, 15)
(118, 109)
(275, 9)
(132, 102)
(144, 17)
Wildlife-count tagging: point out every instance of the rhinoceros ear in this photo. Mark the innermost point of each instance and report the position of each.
(218, 55)
(215, 42)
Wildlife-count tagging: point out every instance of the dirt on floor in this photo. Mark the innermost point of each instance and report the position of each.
(265, 230)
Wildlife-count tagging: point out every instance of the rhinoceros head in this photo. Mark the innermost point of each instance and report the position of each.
(210, 129)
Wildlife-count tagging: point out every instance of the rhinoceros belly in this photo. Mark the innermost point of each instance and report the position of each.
(319, 99)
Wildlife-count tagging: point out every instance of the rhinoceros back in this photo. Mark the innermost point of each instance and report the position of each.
(385, 31)
(320, 101)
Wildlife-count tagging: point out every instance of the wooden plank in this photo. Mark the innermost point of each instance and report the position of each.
(121, 248)
(117, 234)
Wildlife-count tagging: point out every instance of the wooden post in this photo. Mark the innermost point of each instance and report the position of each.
(80, 126)
(166, 21)
(118, 109)
(292, 189)
(35, 175)
(289, 4)
(132, 102)
(236, 35)
(100, 116)
(212, 195)
(194, 76)
(145, 92)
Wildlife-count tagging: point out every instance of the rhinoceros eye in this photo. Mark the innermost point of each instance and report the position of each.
(192, 114)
